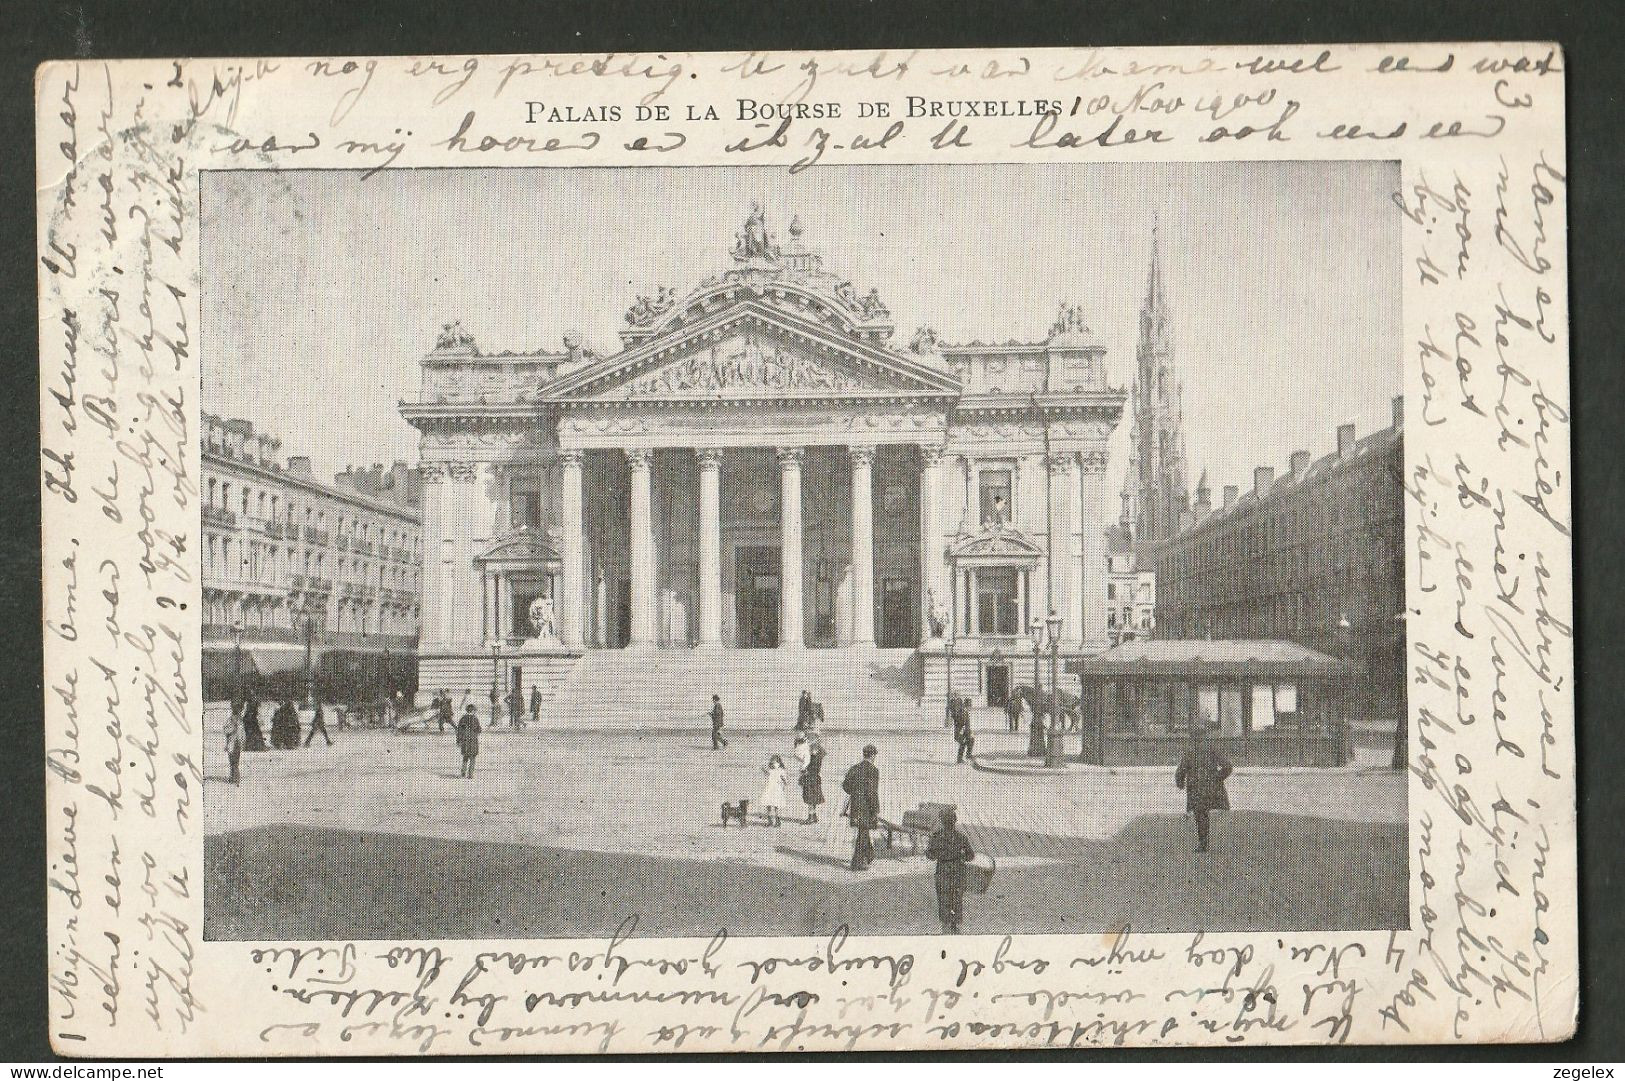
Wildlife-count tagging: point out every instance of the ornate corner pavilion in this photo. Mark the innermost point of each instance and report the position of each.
(759, 466)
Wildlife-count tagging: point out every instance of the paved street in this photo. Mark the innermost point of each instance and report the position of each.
(642, 813)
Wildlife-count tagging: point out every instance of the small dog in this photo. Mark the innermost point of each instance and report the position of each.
(735, 810)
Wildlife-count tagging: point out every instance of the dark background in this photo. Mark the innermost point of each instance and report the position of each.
(1590, 34)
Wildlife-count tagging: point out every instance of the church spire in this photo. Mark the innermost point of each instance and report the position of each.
(1157, 458)
(1153, 285)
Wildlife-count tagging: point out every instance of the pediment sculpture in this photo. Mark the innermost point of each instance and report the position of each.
(645, 310)
(744, 365)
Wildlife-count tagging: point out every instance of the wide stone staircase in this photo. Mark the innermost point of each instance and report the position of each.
(661, 689)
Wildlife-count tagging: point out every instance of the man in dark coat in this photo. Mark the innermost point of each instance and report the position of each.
(952, 850)
(443, 711)
(468, 739)
(318, 724)
(1202, 773)
(535, 704)
(516, 709)
(717, 742)
(862, 786)
(963, 736)
(1037, 733)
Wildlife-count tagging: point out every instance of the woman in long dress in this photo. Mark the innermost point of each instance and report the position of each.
(952, 851)
(773, 797)
(810, 756)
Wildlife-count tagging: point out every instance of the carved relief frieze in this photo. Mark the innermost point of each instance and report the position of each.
(743, 364)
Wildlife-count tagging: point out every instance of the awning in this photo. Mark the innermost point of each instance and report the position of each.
(1225, 658)
(259, 658)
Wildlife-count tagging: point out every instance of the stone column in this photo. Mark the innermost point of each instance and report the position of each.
(1061, 587)
(641, 562)
(710, 547)
(863, 546)
(1091, 520)
(573, 584)
(971, 521)
(932, 571)
(790, 614)
(434, 588)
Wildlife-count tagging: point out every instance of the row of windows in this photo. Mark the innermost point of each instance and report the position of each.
(1284, 613)
(1355, 500)
(274, 615)
(223, 556)
(268, 506)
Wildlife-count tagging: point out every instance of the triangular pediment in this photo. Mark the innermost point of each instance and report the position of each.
(995, 545)
(526, 546)
(751, 352)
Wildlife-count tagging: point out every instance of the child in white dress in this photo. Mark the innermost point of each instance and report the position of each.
(773, 791)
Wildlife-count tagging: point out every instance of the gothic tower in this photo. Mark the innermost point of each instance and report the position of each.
(1155, 493)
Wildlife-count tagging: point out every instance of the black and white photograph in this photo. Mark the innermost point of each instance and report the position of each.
(983, 549)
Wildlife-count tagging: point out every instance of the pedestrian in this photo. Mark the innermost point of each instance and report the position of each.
(535, 704)
(717, 742)
(862, 786)
(443, 711)
(952, 850)
(812, 784)
(804, 708)
(1037, 730)
(773, 790)
(1012, 713)
(285, 726)
(516, 709)
(496, 699)
(234, 745)
(810, 756)
(253, 736)
(1202, 773)
(963, 736)
(317, 724)
(468, 739)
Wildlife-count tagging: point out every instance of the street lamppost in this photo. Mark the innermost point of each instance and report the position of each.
(237, 660)
(1035, 631)
(1055, 735)
(948, 656)
(307, 623)
(496, 660)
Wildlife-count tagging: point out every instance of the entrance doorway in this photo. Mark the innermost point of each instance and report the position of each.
(998, 684)
(896, 628)
(756, 597)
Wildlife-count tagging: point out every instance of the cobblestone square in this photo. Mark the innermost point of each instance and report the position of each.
(567, 834)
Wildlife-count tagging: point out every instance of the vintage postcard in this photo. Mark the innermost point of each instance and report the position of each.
(807, 552)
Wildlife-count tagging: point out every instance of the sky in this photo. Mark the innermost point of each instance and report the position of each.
(322, 291)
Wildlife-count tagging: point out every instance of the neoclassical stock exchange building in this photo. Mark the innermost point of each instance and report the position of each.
(760, 492)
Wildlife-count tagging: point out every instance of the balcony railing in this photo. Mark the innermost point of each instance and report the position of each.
(219, 516)
(315, 536)
(343, 541)
(273, 529)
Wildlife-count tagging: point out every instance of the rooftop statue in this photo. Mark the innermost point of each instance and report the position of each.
(453, 336)
(646, 310)
(754, 242)
(1070, 319)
